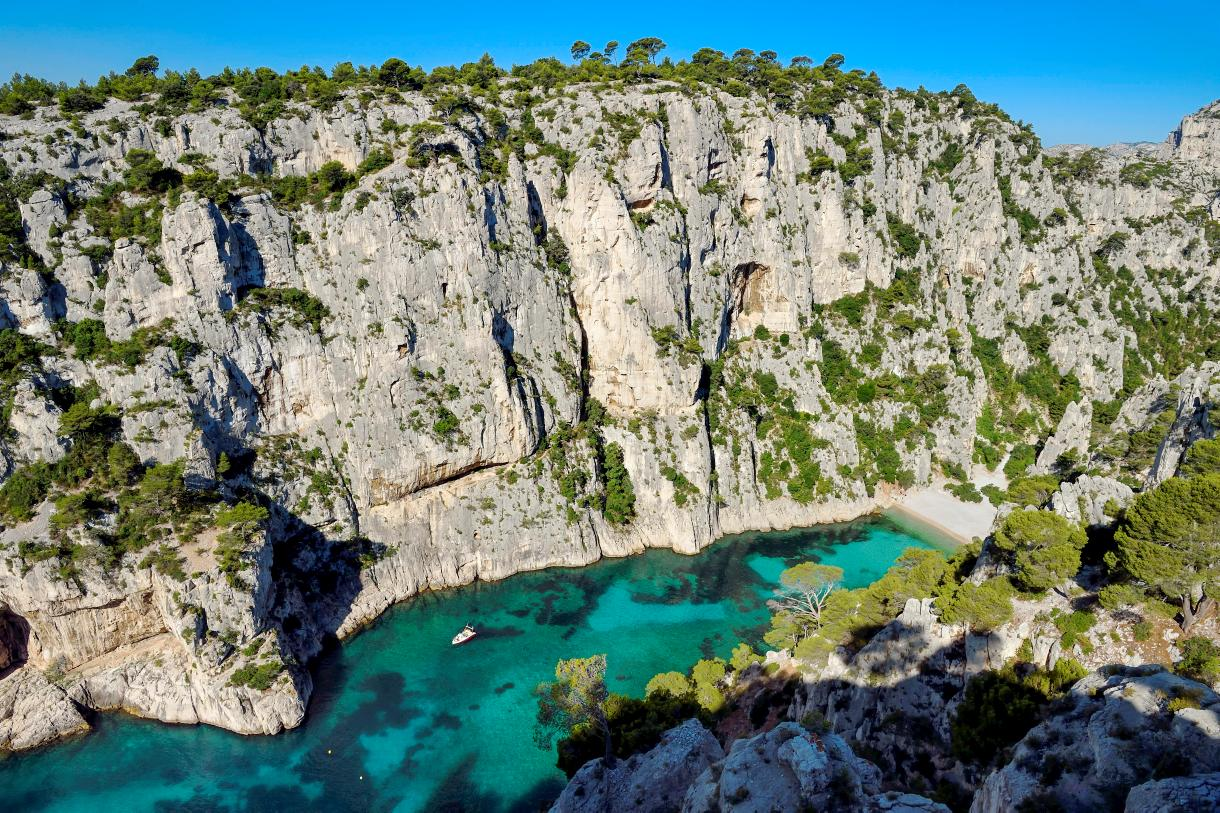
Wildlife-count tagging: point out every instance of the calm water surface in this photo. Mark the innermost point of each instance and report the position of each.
(402, 721)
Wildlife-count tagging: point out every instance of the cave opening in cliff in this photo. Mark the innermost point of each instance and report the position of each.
(14, 640)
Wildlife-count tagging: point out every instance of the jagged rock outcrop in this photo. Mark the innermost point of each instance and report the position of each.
(1197, 392)
(1177, 794)
(786, 768)
(657, 780)
(1071, 437)
(1091, 500)
(898, 694)
(1116, 730)
(894, 694)
(149, 645)
(425, 374)
(34, 711)
(1197, 138)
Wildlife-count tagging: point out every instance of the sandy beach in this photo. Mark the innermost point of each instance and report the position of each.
(957, 519)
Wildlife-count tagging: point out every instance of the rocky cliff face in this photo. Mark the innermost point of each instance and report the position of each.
(1134, 739)
(786, 768)
(1125, 738)
(446, 368)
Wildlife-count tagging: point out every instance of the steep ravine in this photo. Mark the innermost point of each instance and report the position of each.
(419, 374)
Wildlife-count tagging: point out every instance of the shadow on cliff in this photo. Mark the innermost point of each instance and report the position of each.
(318, 574)
(14, 642)
(902, 727)
(906, 727)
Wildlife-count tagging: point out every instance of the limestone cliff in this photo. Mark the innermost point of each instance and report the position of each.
(1119, 732)
(434, 337)
(786, 768)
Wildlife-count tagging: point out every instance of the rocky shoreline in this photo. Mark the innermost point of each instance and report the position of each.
(144, 676)
(265, 378)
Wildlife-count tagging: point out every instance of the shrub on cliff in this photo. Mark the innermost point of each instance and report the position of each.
(675, 683)
(707, 675)
(906, 238)
(1000, 707)
(995, 713)
(240, 523)
(851, 616)
(620, 494)
(146, 174)
(23, 492)
(1203, 457)
(1043, 546)
(112, 218)
(258, 676)
(743, 655)
(19, 354)
(304, 310)
(983, 607)
(80, 100)
(576, 701)
(1033, 491)
(1200, 660)
(1169, 541)
(636, 725)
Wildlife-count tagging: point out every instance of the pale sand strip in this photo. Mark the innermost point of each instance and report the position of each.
(957, 519)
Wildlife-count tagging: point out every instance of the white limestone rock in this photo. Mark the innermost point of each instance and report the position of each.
(34, 711)
(787, 768)
(1072, 435)
(1116, 731)
(1091, 500)
(450, 291)
(654, 781)
(1201, 793)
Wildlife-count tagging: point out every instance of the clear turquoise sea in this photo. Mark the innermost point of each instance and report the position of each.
(402, 721)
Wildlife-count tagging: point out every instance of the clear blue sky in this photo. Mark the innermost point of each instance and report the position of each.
(1080, 72)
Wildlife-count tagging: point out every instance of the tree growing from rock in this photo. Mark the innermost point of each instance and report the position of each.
(1042, 546)
(144, 66)
(1169, 540)
(1200, 660)
(983, 607)
(743, 655)
(397, 74)
(706, 675)
(1203, 457)
(577, 697)
(675, 683)
(619, 505)
(644, 51)
(804, 591)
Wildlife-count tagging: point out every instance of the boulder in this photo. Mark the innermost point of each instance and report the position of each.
(1181, 793)
(1118, 729)
(651, 782)
(1087, 499)
(787, 768)
(34, 711)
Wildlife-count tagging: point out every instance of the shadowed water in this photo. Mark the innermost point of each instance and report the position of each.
(403, 721)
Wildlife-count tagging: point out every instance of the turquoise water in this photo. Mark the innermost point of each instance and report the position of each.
(402, 721)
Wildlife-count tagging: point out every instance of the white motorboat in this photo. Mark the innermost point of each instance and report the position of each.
(465, 635)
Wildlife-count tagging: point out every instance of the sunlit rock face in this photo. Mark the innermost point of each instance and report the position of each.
(437, 374)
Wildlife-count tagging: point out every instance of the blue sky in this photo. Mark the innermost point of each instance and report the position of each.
(1080, 72)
